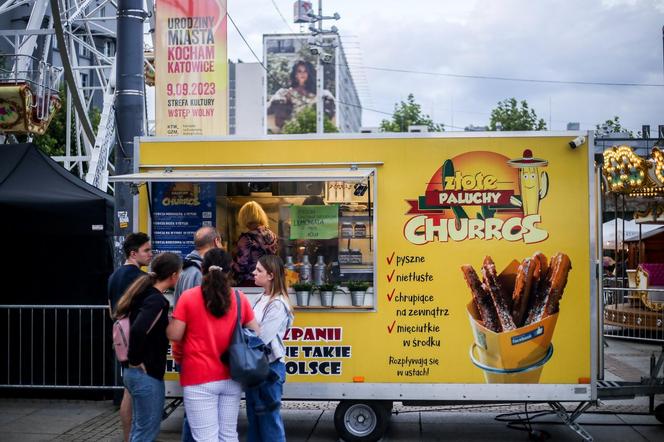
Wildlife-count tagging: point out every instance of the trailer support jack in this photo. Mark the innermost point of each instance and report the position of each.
(569, 418)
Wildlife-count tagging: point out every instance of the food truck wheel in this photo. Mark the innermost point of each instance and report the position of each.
(659, 413)
(362, 420)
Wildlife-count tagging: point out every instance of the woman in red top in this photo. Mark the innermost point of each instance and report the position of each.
(202, 327)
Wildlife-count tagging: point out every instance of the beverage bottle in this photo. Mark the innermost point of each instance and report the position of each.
(319, 271)
(289, 265)
(305, 269)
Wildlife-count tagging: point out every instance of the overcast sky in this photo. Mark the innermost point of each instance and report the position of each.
(607, 41)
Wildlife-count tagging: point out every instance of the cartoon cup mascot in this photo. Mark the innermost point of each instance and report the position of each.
(533, 184)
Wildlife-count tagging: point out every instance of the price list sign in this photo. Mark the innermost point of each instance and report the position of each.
(178, 210)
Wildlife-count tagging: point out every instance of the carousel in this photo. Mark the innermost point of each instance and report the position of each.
(28, 94)
(633, 261)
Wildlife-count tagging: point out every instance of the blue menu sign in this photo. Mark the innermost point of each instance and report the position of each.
(178, 210)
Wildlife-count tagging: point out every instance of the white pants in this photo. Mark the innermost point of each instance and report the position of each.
(212, 410)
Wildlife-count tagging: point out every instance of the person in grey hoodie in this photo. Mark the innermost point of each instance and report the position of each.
(205, 239)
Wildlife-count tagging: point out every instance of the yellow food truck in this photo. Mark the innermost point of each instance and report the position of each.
(446, 266)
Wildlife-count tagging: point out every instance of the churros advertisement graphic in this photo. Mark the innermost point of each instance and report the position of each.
(481, 196)
(513, 316)
(479, 252)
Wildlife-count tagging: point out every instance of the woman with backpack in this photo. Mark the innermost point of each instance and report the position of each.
(202, 326)
(275, 315)
(147, 308)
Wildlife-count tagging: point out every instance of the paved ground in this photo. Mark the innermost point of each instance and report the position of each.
(45, 420)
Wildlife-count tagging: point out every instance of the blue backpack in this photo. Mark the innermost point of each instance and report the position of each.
(247, 354)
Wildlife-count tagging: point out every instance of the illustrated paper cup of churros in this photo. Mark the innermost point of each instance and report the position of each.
(513, 316)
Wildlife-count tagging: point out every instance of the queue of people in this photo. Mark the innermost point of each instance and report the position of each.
(200, 330)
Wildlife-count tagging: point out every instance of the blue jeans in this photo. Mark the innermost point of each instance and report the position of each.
(186, 429)
(147, 401)
(267, 426)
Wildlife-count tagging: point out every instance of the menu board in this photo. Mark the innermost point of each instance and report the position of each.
(314, 222)
(178, 210)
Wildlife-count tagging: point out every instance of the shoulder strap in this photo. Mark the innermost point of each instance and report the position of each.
(191, 263)
(239, 309)
(272, 301)
(154, 322)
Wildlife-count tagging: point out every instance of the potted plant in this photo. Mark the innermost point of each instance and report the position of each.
(327, 294)
(302, 292)
(357, 291)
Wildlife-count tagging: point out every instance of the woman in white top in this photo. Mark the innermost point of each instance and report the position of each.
(274, 313)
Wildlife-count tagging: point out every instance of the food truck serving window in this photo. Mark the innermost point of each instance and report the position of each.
(319, 221)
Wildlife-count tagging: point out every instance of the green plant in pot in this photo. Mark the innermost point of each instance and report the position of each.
(302, 292)
(357, 291)
(327, 294)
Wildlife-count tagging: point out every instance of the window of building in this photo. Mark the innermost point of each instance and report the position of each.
(83, 51)
(85, 84)
(109, 48)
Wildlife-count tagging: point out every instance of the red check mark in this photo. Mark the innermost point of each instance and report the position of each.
(391, 327)
(390, 276)
(390, 259)
(390, 295)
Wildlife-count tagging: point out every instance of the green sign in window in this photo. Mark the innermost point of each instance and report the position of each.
(314, 222)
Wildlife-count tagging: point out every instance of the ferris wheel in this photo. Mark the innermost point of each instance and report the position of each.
(46, 44)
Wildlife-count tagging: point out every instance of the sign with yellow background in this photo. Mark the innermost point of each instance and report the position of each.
(483, 259)
(191, 67)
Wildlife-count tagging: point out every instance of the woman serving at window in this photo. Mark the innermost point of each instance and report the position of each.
(257, 241)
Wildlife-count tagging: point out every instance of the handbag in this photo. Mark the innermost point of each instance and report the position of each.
(246, 354)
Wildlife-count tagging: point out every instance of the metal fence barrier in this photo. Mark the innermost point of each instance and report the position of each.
(58, 346)
(634, 313)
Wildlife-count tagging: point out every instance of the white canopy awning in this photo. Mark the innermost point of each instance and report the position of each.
(245, 175)
(631, 231)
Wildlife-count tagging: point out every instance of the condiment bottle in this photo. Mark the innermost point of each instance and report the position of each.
(344, 256)
(346, 230)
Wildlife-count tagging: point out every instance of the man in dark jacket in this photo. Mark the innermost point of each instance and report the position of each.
(205, 238)
(138, 253)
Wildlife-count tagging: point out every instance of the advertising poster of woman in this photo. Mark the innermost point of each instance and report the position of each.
(291, 82)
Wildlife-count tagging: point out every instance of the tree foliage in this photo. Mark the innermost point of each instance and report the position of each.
(513, 115)
(53, 142)
(612, 127)
(305, 123)
(409, 113)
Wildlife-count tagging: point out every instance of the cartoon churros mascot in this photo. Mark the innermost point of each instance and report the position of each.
(533, 184)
